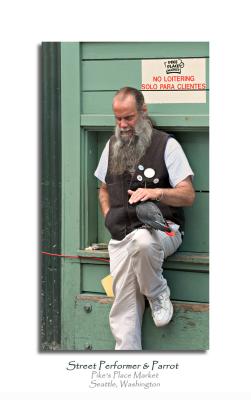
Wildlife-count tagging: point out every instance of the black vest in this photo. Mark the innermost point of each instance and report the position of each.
(122, 218)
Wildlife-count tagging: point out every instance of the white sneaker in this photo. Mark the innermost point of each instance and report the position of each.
(162, 309)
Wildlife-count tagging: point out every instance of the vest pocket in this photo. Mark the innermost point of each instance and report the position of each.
(115, 223)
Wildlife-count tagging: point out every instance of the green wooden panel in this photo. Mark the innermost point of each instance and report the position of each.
(100, 104)
(188, 286)
(91, 275)
(125, 50)
(177, 122)
(89, 198)
(70, 240)
(92, 329)
(196, 236)
(188, 329)
(51, 196)
(70, 109)
(196, 147)
(113, 74)
(102, 139)
(71, 279)
(186, 282)
(110, 75)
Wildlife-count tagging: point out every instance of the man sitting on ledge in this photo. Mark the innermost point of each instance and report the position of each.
(138, 164)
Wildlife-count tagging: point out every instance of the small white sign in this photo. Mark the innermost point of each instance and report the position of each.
(174, 80)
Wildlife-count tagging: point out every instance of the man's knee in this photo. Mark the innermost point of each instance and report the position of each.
(143, 241)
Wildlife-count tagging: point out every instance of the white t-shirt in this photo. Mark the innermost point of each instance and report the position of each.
(176, 162)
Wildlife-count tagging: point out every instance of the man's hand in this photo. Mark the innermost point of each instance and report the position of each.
(181, 195)
(143, 194)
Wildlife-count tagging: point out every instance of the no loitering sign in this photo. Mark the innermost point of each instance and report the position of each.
(174, 80)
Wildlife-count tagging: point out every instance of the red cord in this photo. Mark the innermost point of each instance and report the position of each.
(67, 256)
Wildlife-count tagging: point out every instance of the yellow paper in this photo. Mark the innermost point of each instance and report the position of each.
(107, 285)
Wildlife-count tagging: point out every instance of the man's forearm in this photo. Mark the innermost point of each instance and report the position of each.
(104, 200)
(176, 197)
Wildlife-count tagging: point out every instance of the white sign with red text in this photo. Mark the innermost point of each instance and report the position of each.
(174, 80)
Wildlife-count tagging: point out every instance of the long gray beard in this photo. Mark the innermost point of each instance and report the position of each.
(126, 152)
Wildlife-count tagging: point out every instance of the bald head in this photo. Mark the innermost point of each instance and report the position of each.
(138, 97)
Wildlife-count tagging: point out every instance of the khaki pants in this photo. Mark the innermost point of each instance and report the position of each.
(136, 268)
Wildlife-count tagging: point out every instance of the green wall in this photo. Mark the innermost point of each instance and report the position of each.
(89, 75)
